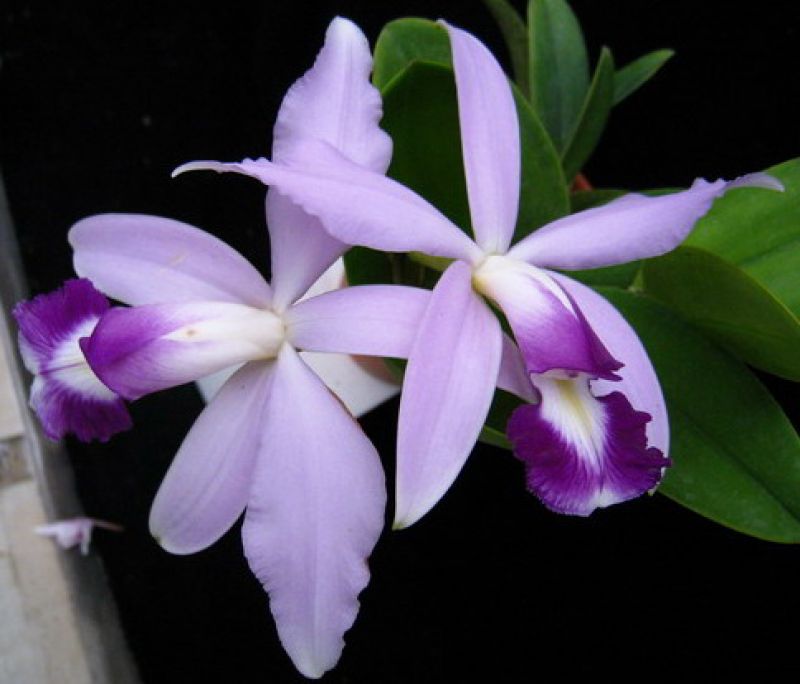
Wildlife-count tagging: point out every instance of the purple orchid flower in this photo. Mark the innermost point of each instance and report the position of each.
(598, 433)
(274, 442)
(66, 394)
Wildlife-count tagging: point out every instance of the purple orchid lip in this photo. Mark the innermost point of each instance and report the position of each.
(583, 452)
(66, 395)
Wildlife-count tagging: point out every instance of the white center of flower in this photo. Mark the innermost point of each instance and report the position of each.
(568, 405)
(257, 333)
(497, 277)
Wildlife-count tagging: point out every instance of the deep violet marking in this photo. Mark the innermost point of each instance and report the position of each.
(66, 395)
(567, 482)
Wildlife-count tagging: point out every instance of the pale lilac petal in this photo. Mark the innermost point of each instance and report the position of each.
(335, 102)
(376, 320)
(632, 227)
(513, 376)
(300, 249)
(148, 348)
(361, 382)
(66, 395)
(447, 390)
(139, 259)
(549, 328)
(357, 206)
(315, 513)
(583, 452)
(639, 382)
(208, 484)
(489, 140)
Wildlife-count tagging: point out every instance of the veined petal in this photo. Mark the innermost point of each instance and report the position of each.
(549, 327)
(335, 102)
(357, 206)
(631, 227)
(489, 140)
(376, 320)
(140, 259)
(148, 348)
(583, 452)
(66, 395)
(208, 484)
(447, 390)
(639, 382)
(315, 513)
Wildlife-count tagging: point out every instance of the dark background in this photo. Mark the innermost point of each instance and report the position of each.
(101, 100)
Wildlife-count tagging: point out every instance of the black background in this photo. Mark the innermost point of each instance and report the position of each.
(101, 100)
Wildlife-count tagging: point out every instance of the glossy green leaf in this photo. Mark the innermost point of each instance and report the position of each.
(759, 231)
(593, 116)
(633, 76)
(405, 41)
(515, 34)
(622, 275)
(729, 305)
(544, 195)
(420, 112)
(589, 199)
(421, 115)
(736, 457)
(738, 276)
(366, 266)
(559, 67)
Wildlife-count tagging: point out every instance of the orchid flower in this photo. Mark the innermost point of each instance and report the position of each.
(75, 531)
(598, 433)
(273, 442)
(66, 394)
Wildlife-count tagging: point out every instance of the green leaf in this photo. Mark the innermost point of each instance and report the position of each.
(622, 275)
(515, 34)
(589, 199)
(747, 295)
(405, 41)
(592, 118)
(633, 76)
(736, 457)
(421, 114)
(366, 266)
(728, 304)
(559, 68)
(544, 195)
(759, 231)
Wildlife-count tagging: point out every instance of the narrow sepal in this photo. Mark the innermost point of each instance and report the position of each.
(629, 228)
(447, 391)
(489, 140)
